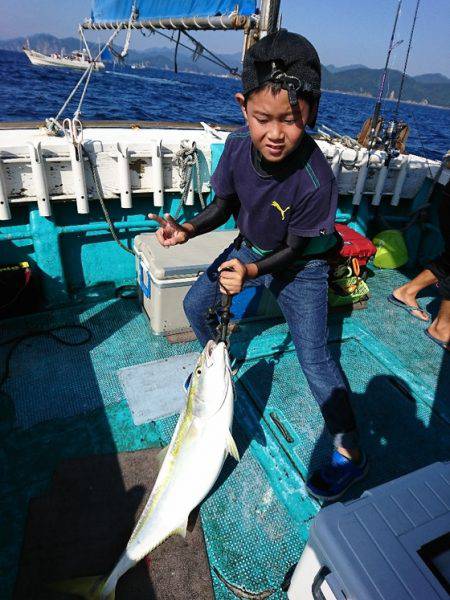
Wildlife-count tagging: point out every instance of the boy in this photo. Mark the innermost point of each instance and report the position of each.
(274, 180)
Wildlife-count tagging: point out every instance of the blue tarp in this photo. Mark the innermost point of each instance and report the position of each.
(120, 10)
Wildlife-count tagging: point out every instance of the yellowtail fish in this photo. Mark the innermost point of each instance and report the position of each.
(190, 466)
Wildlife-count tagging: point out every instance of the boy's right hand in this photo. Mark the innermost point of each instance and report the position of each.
(170, 232)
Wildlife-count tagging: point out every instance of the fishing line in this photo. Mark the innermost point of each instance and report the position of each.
(421, 143)
(400, 93)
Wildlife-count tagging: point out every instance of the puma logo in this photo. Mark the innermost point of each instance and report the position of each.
(278, 207)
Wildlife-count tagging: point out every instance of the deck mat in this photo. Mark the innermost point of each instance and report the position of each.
(82, 524)
(252, 541)
(70, 381)
(79, 410)
(404, 335)
(400, 434)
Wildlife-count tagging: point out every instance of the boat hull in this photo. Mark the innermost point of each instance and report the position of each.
(42, 60)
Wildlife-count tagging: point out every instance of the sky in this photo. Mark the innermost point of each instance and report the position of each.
(344, 31)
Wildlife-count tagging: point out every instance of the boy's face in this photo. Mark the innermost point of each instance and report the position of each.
(276, 127)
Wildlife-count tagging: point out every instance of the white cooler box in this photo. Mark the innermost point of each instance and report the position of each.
(165, 275)
(393, 543)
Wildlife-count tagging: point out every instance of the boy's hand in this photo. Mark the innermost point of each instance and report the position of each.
(171, 233)
(233, 273)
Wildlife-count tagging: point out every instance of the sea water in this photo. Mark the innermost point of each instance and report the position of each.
(33, 93)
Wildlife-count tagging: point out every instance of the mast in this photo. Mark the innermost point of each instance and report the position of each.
(270, 10)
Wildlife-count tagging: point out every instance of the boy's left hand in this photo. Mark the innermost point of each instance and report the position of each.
(233, 273)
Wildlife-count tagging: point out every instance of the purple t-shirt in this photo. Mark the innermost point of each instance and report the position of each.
(300, 197)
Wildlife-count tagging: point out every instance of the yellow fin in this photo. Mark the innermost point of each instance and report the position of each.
(231, 447)
(162, 455)
(181, 530)
(89, 588)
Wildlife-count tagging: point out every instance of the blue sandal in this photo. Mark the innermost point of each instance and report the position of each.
(443, 345)
(393, 300)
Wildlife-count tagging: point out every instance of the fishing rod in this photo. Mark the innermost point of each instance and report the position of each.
(400, 92)
(395, 125)
(377, 109)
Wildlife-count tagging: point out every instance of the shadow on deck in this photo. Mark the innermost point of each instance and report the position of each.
(68, 405)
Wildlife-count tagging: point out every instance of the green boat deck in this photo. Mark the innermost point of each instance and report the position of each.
(66, 401)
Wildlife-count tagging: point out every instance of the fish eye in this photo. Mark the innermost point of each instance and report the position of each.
(199, 371)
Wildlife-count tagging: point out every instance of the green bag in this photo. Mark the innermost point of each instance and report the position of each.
(391, 249)
(347, 290)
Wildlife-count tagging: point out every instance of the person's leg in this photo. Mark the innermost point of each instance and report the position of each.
(440, 328)
(407, 293)
(437, 271)
(304, 302)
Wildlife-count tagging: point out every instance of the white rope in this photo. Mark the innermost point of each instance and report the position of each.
(77, 113)
(185, 159)
(128, 36)
(80, 29)
(53, 123)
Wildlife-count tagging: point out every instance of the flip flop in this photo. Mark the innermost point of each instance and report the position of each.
(443, 345)
(393, 300)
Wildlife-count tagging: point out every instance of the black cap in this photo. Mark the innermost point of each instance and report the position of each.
(286, 58)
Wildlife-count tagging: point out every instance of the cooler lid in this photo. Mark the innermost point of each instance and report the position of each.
(185, 260)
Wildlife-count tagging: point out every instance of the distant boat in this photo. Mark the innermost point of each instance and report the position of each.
(140, 65)
(75, 60)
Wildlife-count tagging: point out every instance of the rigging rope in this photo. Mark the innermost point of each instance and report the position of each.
(108, 219)
(128, 36)
(185, 159)
(215, 59)
(53, 123)
(175, 56)
(77, 113)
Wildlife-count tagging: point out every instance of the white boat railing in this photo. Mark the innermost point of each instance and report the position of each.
(131, 163)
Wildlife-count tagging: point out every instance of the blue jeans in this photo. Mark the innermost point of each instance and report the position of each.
(303, 298)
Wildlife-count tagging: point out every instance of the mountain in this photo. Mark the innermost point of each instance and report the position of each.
(42, 42)
(367, 81)
(432, 78)
(432, 88)
(333, 69)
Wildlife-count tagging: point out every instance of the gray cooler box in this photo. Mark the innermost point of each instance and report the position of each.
(391, 544)
(165, 275)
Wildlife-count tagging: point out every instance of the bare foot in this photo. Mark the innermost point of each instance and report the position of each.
(441, 333)
(404, 295)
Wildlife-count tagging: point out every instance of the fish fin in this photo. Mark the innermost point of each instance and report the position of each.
(231, 447)
(181, 530)
(162, 455)
(88, 588)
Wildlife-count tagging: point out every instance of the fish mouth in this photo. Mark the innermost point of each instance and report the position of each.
(214, 351)
(209, 349)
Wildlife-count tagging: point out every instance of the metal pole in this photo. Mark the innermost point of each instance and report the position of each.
(234, 21)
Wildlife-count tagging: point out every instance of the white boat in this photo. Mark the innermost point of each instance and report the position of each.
(75, 60)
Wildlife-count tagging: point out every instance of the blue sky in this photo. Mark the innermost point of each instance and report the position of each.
(343, 31)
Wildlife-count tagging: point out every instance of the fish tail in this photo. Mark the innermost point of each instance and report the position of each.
(88, 588)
